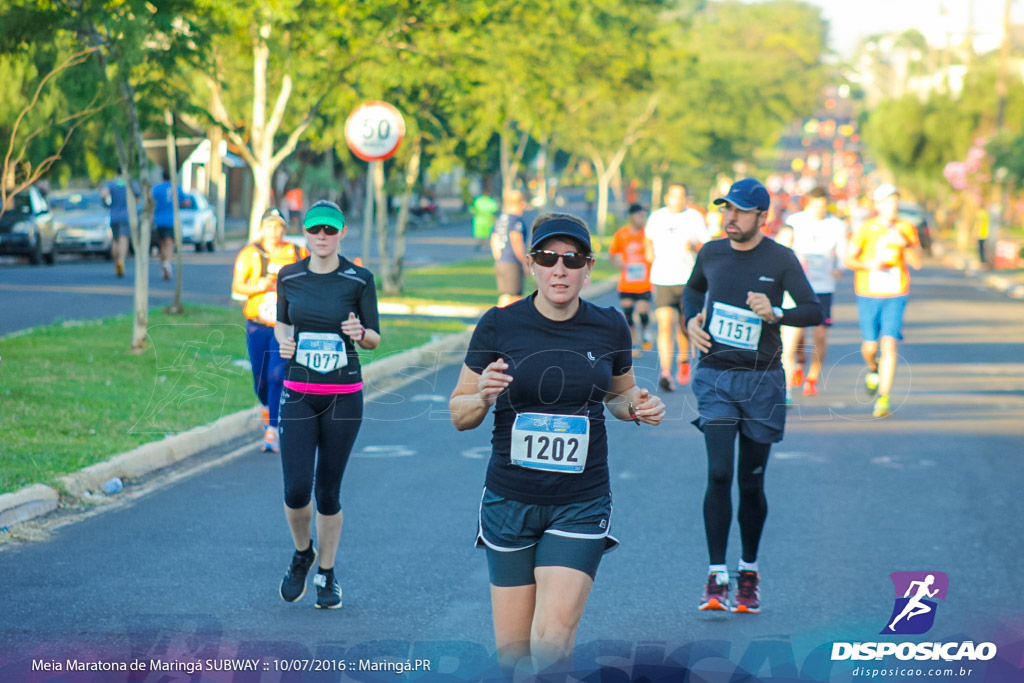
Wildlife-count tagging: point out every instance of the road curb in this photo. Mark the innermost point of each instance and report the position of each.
(971, 267)
(38, 499)
(24, 504)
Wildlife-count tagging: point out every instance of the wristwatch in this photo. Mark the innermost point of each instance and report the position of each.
(778, 313)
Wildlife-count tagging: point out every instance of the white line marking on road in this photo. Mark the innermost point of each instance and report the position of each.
(478, 453)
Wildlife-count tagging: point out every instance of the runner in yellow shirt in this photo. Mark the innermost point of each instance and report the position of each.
(256, 268)
(880, 252)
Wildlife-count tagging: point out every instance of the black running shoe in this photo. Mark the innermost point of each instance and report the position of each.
(293, 585)
(328, 592)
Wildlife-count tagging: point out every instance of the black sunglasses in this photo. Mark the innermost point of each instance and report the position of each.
(548, 259)
(328, 230)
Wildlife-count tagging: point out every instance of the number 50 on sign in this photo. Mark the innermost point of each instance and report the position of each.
(374, 131)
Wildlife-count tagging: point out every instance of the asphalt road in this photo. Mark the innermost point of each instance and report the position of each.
(189, 571)
(85, 288)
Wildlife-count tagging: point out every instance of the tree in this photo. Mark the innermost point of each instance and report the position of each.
(42, 128)
(305, 68)
(132, 41)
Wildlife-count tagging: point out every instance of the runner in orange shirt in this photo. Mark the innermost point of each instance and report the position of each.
(880, 251)
(629, 255)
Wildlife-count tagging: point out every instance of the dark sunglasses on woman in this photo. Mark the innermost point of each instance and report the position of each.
(328, 230)
(547, 259)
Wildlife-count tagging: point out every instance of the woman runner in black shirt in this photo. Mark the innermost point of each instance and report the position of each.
(548, 364)
(326, 306)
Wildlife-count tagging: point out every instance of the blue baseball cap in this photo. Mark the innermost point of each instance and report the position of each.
(747, 194)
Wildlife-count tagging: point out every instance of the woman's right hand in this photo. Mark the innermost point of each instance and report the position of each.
(287, 347)
(493, 381)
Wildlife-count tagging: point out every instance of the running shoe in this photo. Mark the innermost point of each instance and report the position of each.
(811, 387)
(882, 408)
(871, 382)
(666, 383)
(683, 376)
(293, 585)
(637, 352)
(789, 400)
(328, 592)
(167, 270)
(119, 268)
(748, 595)
(647, 344)
(270, 443)
(798, 378)
(716, 593)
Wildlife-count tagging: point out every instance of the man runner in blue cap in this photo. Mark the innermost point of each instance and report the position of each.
(732, 307)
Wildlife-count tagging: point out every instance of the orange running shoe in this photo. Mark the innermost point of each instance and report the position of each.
(683, 376)
(811, 387)
(798, 378)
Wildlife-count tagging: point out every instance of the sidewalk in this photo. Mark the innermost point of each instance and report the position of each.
(1010, 282)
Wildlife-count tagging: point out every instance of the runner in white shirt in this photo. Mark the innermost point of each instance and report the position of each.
(673, 233)
(819, 240)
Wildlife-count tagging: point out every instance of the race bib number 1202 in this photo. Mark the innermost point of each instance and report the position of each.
(322, 352)
(553, 443)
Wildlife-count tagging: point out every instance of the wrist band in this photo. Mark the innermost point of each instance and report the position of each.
(363, 335)
(632, 414)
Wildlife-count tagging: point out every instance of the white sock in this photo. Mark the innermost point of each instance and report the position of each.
(748, 566)
(720, 571)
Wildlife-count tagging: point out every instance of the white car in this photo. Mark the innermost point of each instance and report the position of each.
(82, 221)
(199, 223)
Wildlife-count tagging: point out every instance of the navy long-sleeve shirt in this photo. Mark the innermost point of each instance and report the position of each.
(718, 286)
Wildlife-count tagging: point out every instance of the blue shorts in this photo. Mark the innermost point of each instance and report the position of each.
(755, 399)
(520, 537)
(826, 308)
(881, 317)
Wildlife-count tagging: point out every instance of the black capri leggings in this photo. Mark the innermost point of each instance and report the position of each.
(317, 434)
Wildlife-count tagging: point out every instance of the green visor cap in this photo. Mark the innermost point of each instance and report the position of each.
(324, 215)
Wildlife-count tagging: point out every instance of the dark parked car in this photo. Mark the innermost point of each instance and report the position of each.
(919, 218)
(27, 229)
(82, 221)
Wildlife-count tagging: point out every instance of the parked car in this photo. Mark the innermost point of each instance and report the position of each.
(26, 229)
(199, 223)
(919, 218)
(82, 221)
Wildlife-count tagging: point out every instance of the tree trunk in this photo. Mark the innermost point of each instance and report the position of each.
(382, 221)
(505, 160)
(172, 169)
(542, 174)
(393, 286)
(368, 213)
(139, 234)
(216, 181)
(616, 183)
(656, 191)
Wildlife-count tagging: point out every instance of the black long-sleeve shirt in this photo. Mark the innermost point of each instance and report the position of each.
(718, 286)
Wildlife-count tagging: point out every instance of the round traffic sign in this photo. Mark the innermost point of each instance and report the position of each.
(374, 131)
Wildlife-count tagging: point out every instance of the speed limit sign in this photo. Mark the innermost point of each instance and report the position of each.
(374, 130)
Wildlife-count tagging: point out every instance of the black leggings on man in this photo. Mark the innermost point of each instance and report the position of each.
(720, 437)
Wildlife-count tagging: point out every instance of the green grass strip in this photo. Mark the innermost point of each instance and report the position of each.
(71, 395)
